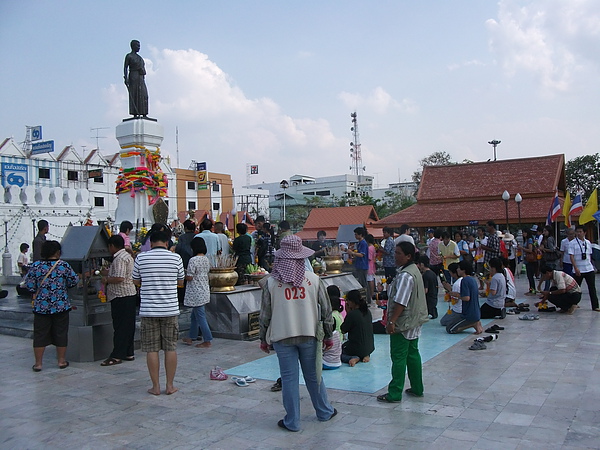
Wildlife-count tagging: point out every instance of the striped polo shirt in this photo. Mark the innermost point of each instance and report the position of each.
(158, 270)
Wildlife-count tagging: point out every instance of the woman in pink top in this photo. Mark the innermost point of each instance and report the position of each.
(371, 271)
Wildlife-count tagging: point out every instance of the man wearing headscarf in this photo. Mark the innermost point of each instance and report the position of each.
(295, 317)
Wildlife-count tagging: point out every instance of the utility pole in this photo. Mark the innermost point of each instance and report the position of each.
(494, 144)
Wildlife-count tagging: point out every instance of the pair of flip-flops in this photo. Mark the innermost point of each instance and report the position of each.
(494, 329)
(243, 381)
(529, 317)
(490, 338)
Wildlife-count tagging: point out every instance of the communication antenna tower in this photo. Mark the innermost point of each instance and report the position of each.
(355, 155)
(98, 137)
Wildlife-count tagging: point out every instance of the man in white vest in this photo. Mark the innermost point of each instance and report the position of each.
(295, 317)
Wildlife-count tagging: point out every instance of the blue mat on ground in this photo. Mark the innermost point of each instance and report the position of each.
(364, 377)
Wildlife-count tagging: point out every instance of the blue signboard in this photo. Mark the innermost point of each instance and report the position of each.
(201, 166)
(36, 133)
(14, 174)
(42, 147)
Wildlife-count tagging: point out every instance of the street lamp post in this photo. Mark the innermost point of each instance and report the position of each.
(519, 199)
(284, 185)
(494, 144)
(506, 198)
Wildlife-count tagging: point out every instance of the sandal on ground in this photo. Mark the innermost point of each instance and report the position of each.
(246, 378)
(478, 345)
(64, 366)
(529, 317)
(526, 305)
(497, 327)
(385, 398)
(240, 382)
(110, 362)
(36, 369)
(217, 374)
(129, 358)
(409, 391)
(492, 330)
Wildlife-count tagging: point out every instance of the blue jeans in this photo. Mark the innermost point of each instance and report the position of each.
(288, 356)
(199, 320)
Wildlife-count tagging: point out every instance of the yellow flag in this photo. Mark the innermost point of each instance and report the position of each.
(567, 210)
(590, 209)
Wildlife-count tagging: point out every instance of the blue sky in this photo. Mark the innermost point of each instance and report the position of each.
(273, 83)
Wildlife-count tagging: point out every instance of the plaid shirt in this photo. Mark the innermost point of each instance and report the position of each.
(121, 267)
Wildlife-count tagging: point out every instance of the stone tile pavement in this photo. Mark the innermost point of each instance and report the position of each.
(536, 387)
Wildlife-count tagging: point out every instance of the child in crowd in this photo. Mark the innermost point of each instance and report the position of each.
(332, 357)
(359, 326)
(381, 300)
(23, 259)
(453, 292)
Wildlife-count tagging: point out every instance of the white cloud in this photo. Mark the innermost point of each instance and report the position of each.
(473, 62)
(553, 40)
(219, 124)
(378, 100)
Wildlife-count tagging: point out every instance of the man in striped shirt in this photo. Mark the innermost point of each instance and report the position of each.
(159, 272)
(564, 293)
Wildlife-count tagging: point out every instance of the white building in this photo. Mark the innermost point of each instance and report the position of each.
(62, 189)
(406, 189)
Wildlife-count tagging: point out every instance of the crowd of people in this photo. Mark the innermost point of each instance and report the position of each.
(307, 324)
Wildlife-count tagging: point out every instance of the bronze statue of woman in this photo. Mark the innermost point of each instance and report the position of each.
(134, 80)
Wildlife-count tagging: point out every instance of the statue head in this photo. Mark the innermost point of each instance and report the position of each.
(135, 45)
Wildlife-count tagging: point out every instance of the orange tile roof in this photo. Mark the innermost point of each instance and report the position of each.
(329, 219)
(458, 194)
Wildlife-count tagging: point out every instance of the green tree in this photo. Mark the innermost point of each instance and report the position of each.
(296, 215)
(583, 174)
(435, 159)
(393, 202)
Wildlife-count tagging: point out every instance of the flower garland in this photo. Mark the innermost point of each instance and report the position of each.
(146, 177)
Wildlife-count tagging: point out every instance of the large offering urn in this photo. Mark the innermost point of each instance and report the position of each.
(222, 279)
(333, 264)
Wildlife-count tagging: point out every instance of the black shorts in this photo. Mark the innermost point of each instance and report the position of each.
(51, 329)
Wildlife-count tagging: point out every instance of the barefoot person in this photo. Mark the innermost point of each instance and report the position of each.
(469, 294)
(359, 326)
(407, 313)
(159, 272)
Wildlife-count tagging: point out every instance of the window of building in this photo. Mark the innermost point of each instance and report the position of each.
(216, 187)
(44, 173)
(166, 202)
(99, 179)
(72, 175)
(191, 185)
(98, 201)
(309, 193)
(323, 193)
(191, 205)
(216, 206)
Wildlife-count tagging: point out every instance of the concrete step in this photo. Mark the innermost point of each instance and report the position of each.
(16, 328)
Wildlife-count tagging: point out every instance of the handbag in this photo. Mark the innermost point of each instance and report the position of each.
(34, 296)
(530, 257)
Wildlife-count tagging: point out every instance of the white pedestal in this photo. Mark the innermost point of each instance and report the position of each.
(140, 133)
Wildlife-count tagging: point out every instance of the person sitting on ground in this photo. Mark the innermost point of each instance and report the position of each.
(453, 291)
(332, 356)
(359, 326)
(511, 290)
(23, 260)
(430, 283)
(565, 292)
(494, 303)
(469, 294)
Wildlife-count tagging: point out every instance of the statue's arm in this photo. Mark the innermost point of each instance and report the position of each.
(126, 64)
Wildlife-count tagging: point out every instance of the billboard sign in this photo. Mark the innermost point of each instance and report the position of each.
(14, 174)
(36, 133)
(254, 169)
(42, 147)
(201, 166)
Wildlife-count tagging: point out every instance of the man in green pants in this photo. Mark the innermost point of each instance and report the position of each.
(407, 311)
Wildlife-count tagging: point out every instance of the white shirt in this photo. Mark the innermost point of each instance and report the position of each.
(511, 291)
(456, 307)
(224, 243)
(578, 248)
(564, 248)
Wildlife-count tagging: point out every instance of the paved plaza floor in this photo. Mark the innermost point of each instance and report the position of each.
(537, 386)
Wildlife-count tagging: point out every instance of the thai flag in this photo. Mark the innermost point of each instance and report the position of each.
(554, 209)
(244, 217)
(577, 206)
(227, 221)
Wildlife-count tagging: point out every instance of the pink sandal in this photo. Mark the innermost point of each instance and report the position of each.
(217, 374)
